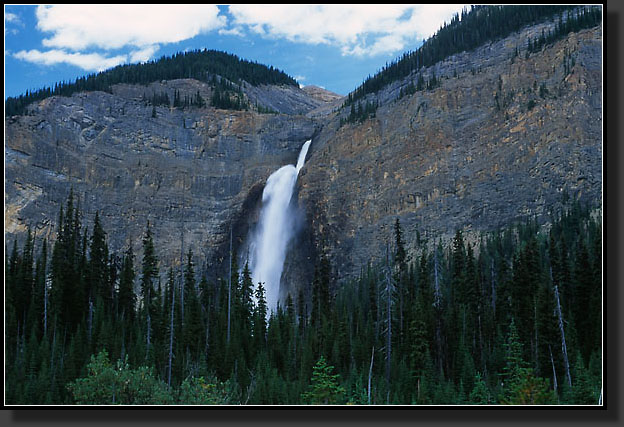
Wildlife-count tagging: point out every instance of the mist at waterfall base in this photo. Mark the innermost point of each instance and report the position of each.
(277, 225)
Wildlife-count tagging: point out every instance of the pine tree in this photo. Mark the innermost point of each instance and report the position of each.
(170, 305)
(320, 292)
(67, 296)
(192, 316)
(584, 295)
(40, 292)
(148, 294)
(403, 293)
(260, 319)
(245, 300)
(97, 283)
(480, 394)
(521, 386)
(127, 297)
(324, 388)
(24, 281)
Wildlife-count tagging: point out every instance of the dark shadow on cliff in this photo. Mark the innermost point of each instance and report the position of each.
(218, 261)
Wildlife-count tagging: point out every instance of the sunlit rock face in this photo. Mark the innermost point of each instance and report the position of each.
(499, 140)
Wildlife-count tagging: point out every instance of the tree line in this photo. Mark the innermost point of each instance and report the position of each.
(512, 318)
(473, 28)
(574, 22)
(196, 64)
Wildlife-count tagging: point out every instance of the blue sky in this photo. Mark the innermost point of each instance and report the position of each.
(332, 46)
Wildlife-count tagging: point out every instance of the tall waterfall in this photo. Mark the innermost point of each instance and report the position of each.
(267, 249)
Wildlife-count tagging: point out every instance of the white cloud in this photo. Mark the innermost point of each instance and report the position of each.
(235, 31)
(356, 29)
(77, 27)
(143, 55)
(11, 17)
(86, 61)
(92, 36)
(137, 29)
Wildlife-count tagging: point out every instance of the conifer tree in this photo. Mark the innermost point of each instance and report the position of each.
(324, 388)
(40, 292)
(192, 323)
(521, 385)
(97, 281)
(127, 298)
(23, 285)
(260, 318)
(480, 394)
(148, 294)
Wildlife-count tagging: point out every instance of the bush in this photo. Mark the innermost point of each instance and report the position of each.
(118, 385)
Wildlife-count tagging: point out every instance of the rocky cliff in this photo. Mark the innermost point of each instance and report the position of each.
(189, 172)
(499, 139)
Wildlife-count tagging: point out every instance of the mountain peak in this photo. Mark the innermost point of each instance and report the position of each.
(321, 93)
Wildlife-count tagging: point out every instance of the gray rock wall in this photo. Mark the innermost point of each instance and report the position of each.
(188, 172)
(451, 158)
(485, 148)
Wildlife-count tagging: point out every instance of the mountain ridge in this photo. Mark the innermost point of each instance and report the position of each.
(78, 142)
(203, 65)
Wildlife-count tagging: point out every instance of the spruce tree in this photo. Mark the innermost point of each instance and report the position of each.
(260, 319)
(127, 297)
(97, 283)
(324, 388)
(193, 329)
(149, 275)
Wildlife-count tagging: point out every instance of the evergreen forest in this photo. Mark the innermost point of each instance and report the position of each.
(475, 27)
(203, 65)
(511, 318)
(508, 317)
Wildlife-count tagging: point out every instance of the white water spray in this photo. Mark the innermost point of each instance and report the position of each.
(275, 229)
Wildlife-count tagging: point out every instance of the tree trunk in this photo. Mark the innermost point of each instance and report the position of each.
(437, 296)
(123, 335)
(437, 303)
(149, 322)
(90, 319)
(53, 376)
(388, 337)
(564, 348)
(207, 344)
(493, 288)
(481, 344)
(370, 374)
(536, 337)
(388, 291)
(552, 362)
(229, 291)
(171, 333)
(45, 307)
(182, 281)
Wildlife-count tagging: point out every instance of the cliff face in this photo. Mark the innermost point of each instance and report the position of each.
(500, 138)
(188, 172)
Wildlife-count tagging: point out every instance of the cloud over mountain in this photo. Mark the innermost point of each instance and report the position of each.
(364, 29)
(87, 36)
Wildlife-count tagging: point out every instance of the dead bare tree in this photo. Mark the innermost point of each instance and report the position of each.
(559, 315)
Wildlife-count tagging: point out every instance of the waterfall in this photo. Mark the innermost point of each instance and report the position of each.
(276, 226)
